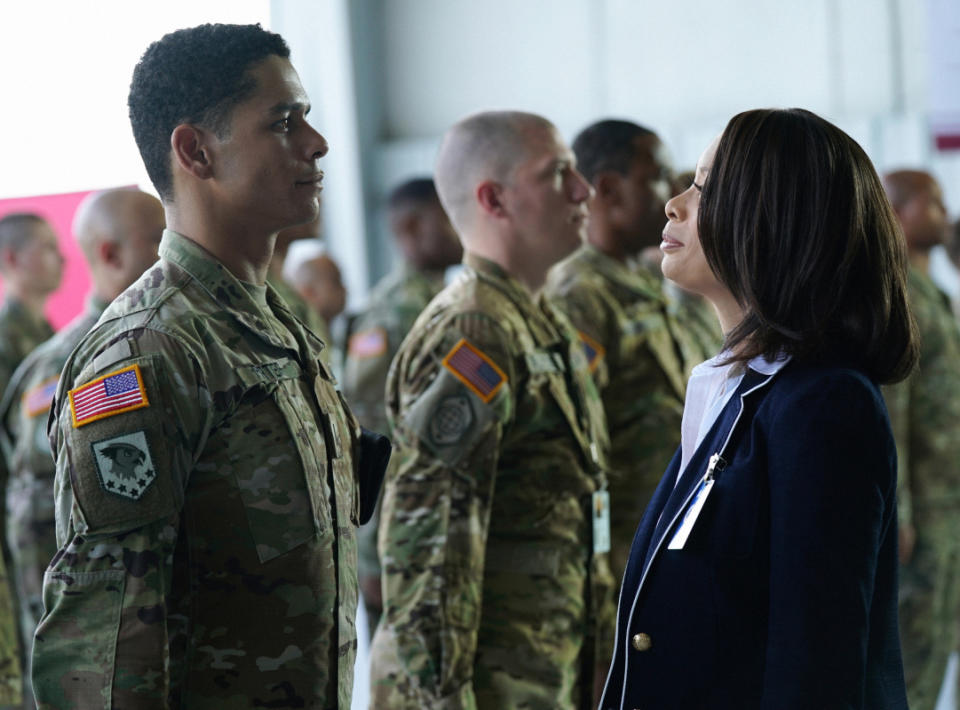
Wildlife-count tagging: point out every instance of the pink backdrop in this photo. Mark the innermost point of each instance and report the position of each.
(58, 210)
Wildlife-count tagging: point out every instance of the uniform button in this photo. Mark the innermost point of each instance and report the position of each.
(642, 642)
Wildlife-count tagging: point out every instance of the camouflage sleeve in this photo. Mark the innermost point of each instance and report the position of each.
(450, 408)
(122, 467)
(593, 324)
(897, 398)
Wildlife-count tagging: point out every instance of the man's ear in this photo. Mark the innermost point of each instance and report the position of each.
(490, 198)
(190, 151)
(109, 253)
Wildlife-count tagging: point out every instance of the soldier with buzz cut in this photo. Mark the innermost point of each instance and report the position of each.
(209, 477)
(118, 232)
(495, 523)
(427, 245)
(640, 350)
(925, 417)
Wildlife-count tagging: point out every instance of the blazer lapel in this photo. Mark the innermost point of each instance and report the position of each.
(690, 479)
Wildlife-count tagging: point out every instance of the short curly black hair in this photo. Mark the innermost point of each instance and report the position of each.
(195, 75)
(607, 146)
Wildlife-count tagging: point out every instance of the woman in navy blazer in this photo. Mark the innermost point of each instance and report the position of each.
(764, 571)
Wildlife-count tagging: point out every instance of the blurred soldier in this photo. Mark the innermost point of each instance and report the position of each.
(207, 470)
(428, 245)
(300, 308)
(320, 284)
(118, 231)
(925, 414)
(635, 345)
(31, 265)
(495, 526)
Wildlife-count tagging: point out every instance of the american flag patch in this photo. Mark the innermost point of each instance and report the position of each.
(368, 343)
(113, 393)
(593, 350)
(37, 400)
(475, 370)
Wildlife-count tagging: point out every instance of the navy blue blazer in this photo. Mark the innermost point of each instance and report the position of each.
(785, 594)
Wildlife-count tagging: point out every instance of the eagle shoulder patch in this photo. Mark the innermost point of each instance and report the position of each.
(124, 464)
(475, 369)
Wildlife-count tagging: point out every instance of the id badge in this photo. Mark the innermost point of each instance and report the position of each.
(601, 522)
(693, 512)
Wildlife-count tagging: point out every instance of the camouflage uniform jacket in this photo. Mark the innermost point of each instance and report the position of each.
(925, 416)
(375, 337)
(31, 528)
(20, 332)
(493, 595)
(636, 350)
(307, 315)
(206, 502)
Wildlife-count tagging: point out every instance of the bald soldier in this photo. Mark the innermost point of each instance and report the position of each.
(320, 284)
(925, 415)
(639, 352)
(215, 565)
(118, 232)
(495, 526)
(428, 245)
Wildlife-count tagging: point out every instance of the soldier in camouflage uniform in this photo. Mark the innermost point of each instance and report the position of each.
(495, 525)
(639, 352)
(428, 245)
(925, 415)
(207, 469)
(31, 266)
(118, 231)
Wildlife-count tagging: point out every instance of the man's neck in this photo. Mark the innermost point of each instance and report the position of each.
(246, 255)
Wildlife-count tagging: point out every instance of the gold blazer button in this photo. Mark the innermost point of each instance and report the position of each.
(642, 642)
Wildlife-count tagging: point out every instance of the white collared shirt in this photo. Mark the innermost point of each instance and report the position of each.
(710, 387)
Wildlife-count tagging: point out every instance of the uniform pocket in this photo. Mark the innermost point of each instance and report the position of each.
(92, 647)
(270, 455)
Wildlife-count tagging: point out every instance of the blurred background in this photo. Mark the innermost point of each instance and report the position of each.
(386, 77)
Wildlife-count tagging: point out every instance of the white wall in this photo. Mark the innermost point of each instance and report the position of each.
(65, 70)
(681, 68)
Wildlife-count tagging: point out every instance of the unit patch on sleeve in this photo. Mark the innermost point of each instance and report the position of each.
(38, 399)
(474, 369)
(593, 350)
(124, 465)
(368, 343)
(108, 395)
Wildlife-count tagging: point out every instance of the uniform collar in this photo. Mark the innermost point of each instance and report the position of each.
(223, 287)
(495, 274)
(639, 279)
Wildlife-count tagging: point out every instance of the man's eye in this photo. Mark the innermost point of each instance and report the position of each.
(283, 124)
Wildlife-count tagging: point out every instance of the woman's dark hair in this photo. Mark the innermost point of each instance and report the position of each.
(794, 222)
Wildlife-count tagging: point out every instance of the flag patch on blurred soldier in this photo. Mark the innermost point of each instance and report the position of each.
(368, 343)
(38, 400)
(477, 371)
(592, 349)
(108, 395)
